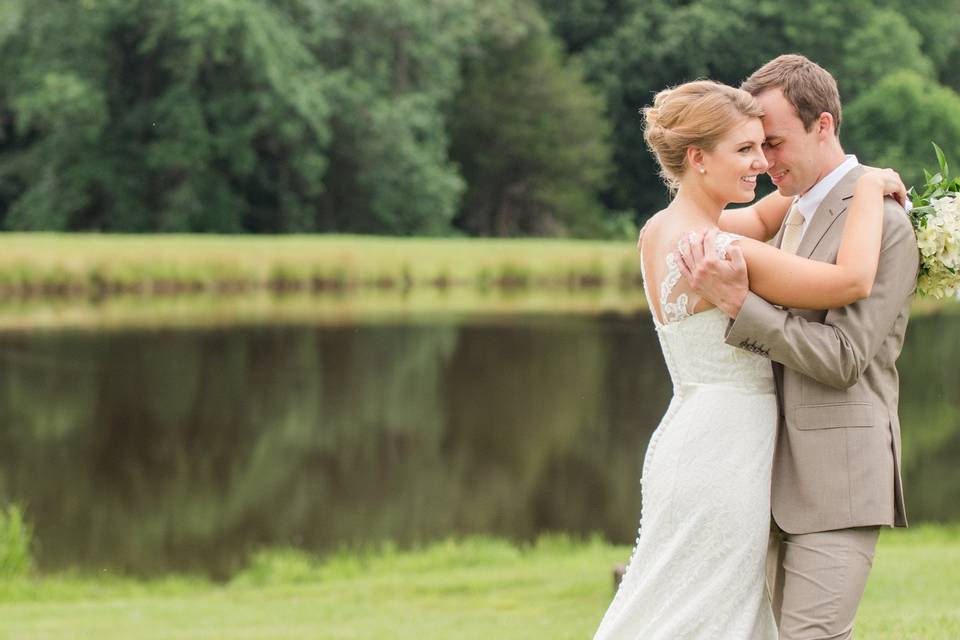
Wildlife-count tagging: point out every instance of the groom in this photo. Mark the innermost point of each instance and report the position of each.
(836, 470)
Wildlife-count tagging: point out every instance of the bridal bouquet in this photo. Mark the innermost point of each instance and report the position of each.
(936, 221)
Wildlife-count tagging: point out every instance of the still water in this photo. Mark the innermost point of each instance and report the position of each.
(148, 452)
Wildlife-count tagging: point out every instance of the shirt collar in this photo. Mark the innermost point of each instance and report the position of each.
(809, 202)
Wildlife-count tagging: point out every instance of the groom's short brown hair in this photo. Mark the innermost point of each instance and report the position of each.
(806, 85)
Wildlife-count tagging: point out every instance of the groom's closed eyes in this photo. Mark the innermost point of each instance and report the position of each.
(772, 142)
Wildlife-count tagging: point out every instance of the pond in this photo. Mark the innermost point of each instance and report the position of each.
(155, 451)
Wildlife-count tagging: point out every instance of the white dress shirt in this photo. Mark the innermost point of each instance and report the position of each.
(809, 202)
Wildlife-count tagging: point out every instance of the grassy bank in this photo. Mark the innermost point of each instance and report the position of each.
(478, 588)
(101, 265)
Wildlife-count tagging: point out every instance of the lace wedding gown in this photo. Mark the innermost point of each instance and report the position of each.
(697, 571)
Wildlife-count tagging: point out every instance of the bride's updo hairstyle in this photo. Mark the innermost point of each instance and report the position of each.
(695, 114)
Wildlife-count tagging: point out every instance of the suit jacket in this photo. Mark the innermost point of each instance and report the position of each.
(837, 459)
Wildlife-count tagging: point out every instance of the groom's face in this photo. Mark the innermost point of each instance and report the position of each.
(791, 151)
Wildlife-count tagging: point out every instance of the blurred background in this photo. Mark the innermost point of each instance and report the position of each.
(171, 404)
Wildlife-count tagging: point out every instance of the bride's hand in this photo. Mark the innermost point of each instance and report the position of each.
(889, 181)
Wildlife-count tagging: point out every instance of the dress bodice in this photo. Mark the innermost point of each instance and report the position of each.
(696, 354)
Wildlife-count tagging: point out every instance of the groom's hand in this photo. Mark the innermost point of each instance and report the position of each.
(722, 282)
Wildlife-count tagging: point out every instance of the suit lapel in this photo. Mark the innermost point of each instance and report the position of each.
(832, 207)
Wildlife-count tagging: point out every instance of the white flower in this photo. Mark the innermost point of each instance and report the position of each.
(936, 221)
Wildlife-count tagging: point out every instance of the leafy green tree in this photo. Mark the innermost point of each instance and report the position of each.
(940, 34)
(531, 138)
(894, 122)
(203, 116)
(580, 23)
(397, 68)
(401, 116)
(174, 116)
(885, 43)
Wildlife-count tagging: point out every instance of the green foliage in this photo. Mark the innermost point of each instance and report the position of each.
(579, 23)
(400, 116)
(167, 116)
(212, 116)
(397, 68)
(531, 139)
(936, 185)
(16, 539)
(884, 44)
(892, 123)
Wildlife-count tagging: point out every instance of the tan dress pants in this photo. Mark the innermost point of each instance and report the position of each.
(816, 580)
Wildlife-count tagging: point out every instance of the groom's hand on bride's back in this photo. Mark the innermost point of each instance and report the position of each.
(723, 282)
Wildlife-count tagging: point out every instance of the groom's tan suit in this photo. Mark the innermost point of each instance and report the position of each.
(836, 470)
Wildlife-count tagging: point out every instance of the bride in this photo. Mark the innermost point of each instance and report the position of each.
(697, 571)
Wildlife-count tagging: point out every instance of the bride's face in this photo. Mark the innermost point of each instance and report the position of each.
(731, 169)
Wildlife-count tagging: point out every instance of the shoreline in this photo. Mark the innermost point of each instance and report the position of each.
(96, 266)
(51, 282)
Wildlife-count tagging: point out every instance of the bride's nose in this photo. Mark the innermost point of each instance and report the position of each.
(760, 164)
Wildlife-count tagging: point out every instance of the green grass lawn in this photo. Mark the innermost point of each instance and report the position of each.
(475, 589)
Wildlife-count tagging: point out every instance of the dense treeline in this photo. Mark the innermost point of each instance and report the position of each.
(426, 117)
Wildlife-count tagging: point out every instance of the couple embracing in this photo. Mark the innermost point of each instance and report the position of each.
(778, 459)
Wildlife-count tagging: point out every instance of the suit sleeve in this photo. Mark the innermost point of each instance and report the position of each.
(837, 351)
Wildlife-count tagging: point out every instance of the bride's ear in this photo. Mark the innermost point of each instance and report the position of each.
(695, 159)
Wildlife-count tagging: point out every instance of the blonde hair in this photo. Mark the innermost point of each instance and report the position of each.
(694, 114)
(806, 85)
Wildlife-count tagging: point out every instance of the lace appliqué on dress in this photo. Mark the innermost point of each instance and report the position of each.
(680, 309)
(723, 243)
(672, 311)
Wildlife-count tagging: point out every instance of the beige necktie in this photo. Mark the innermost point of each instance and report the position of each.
(792, 231)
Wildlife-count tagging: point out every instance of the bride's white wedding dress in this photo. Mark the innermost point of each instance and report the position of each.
(697, 571)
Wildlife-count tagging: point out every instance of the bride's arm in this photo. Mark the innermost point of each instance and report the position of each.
(759, 221)
(792, 281)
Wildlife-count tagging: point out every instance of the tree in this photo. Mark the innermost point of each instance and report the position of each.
(885, 43)
(893, 123)
(195, 115)
(530, 137)
(580, 23)
(175, 116)
(397, 69)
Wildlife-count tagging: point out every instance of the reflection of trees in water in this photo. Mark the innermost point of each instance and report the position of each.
(174, 450)
(551, 425)
(181, 450)
(930, 417)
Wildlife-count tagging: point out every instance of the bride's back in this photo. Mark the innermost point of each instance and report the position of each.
(692, 333)
(669, 295)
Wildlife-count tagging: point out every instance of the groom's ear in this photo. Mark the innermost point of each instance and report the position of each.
(825, 126)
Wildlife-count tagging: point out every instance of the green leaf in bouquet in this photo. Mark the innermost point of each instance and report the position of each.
(941, 159)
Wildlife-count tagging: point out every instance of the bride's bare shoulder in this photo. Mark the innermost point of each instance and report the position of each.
(652, 227)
